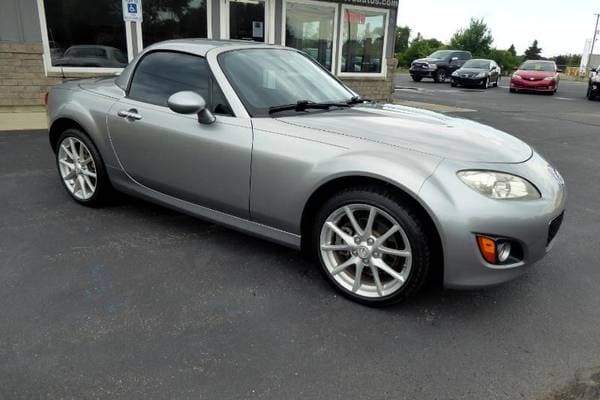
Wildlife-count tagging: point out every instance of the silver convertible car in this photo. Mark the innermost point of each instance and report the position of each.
(264, 140)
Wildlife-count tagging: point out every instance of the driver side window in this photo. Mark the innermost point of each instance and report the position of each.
(163, 73)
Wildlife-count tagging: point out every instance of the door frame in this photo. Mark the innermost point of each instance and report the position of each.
(269, 26)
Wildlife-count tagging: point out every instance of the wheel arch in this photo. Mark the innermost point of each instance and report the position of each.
(59, 126)
(327, 189)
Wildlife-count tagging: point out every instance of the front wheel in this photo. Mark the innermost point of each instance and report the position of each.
(416, 78)
(590, 93)
(440, 76)
(81, 168)
(372, 246)
(485, 83)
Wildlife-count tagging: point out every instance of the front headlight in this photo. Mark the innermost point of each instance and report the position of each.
(481, 75)
(516, 76)
(498, 185)
(549, 78)
(455, 73)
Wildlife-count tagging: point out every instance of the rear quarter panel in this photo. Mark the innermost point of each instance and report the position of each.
(88, 109)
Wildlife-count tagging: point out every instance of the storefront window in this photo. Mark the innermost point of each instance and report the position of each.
(309, 28)
(165, 20)
(247, 20)
(363, 33)
(83, 33)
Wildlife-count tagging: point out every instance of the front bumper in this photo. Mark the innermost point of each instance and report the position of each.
(467, 81)
(536, 86)
(460, 213)
(422, 72)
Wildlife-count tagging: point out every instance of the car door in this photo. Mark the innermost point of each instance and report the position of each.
(206, 164)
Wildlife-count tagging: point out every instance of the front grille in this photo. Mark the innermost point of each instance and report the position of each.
(554, 227)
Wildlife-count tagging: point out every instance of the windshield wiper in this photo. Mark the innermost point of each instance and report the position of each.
(358, 100)
(303, 105)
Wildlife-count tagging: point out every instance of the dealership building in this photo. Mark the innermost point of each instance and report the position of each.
(43, 42)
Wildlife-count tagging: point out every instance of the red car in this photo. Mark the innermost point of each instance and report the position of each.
(536, 76)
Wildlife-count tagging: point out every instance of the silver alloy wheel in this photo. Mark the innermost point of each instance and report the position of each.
(366, 250)
(77, 168)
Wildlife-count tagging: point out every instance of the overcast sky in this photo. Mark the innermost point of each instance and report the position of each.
(560, 27)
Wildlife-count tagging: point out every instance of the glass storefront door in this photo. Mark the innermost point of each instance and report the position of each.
(247, 20)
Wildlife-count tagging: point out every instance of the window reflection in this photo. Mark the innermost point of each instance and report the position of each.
(83, 33)
(363, 32)
(310, 28)
(173, 19)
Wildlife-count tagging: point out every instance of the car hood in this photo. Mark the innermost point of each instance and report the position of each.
(534, 74)
(419, 130)
(428, 60)
(471, 70)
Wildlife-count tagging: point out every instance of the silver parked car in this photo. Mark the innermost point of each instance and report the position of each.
(264, 140)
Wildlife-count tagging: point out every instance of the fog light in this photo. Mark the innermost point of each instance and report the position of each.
(487, 246)
(503, 251)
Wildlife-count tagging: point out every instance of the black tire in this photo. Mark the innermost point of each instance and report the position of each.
(103, 189)
(416, 78)
(440, 76)
(590, 93)
(453, 84)
(486, 83)
(419, 236)
(513, 90)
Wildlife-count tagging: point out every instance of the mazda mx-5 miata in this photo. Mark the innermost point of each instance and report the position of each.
(264, 140)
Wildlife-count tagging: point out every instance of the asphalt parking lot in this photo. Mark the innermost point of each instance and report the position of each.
(136, 301)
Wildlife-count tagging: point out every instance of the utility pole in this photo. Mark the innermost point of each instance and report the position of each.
(589, 66)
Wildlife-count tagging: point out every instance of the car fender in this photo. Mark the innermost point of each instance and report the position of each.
(86, 110)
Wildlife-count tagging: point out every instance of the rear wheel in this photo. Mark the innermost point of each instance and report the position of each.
(372, 246)
(81, 168)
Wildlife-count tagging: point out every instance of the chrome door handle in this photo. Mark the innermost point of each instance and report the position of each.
(131, 114)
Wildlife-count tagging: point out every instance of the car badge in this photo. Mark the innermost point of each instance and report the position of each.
(531, 79)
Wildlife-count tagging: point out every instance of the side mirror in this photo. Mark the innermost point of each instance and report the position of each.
(515, 68)
(188, 102)
(559, 70)
(453, 59)
(493, 68)
(594, 70)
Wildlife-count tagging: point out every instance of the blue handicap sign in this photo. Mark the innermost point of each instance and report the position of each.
(132, 8)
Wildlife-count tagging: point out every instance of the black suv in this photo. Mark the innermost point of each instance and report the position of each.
(439, 65)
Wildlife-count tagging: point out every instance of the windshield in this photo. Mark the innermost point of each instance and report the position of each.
(480, 64)
(441, 54)
(538, 66)
(267, 78)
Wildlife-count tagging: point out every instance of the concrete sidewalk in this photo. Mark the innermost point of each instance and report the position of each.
(23, 118)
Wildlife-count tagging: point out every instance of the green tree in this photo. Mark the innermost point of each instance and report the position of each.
(512, 50)
(402, 37)
(533, 52)
(477, 38)
(505, 58)
(418, 48)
